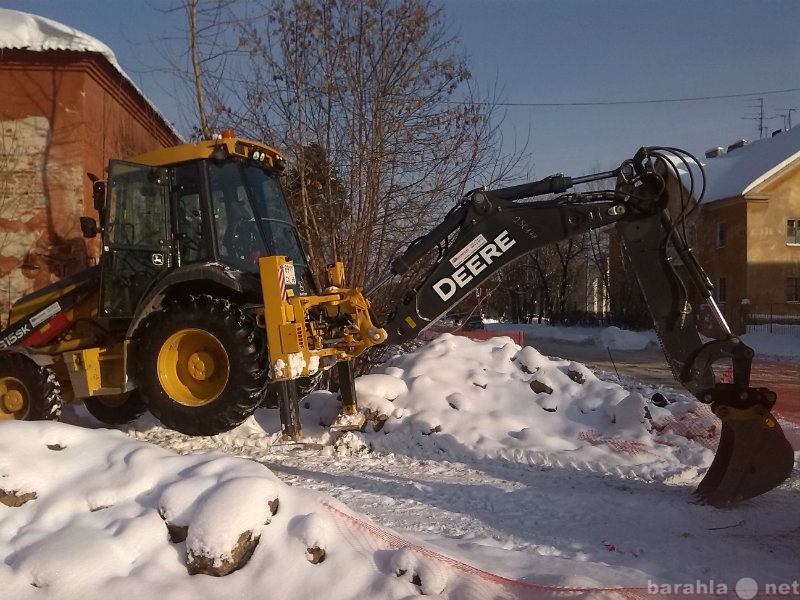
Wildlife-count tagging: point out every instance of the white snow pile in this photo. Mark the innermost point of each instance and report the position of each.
(87, 510)
(466, 399)
(487, 471)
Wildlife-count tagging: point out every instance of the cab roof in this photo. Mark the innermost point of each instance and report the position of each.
(224, 145)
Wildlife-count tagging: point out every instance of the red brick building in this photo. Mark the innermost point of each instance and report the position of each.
(66, 109)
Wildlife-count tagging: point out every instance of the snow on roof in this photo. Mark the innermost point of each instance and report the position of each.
(737, 172)
(24, 31)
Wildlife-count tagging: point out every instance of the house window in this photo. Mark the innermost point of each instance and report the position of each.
(793, 231)
(793, 289)
(721, 290)
(721, 235)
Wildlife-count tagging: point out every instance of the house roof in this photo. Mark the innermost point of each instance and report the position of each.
(737, 172)
(24, 31)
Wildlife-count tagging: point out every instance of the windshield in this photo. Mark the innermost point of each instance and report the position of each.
(271, 209)
(252, 219)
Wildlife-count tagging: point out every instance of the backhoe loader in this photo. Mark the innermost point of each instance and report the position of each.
(203, 306)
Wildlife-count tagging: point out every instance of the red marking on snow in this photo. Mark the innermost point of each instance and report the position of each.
(702, 426)
(512, 588)
(697, 423)
(595, 438)
(782, 376)
(395, 541)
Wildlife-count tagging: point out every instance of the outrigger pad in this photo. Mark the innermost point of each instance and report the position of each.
(349, 421)
(753, 457)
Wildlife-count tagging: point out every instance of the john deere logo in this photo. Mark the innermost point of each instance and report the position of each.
(471, 260)
(158, 259)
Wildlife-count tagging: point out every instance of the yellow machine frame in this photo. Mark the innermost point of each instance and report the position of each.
(298, 346)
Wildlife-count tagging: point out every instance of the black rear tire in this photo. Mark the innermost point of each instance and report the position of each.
(28, 391)
(200, 364)
(119, 409)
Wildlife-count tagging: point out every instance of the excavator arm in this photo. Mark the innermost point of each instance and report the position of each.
(483, 234)
(488, 230)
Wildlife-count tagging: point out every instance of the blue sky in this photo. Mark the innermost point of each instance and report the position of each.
(590, 81)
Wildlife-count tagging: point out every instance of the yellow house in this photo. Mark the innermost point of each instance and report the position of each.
(748, 232)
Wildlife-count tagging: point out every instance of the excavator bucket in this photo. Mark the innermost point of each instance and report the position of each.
(753, 457)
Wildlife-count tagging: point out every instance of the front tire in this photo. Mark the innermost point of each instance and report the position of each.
(200, 364)
(118, 409)
(28, 391)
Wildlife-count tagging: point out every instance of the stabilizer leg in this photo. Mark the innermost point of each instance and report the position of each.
(290, 415)
(349, 417)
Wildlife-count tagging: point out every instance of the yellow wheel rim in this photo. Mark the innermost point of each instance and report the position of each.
(193, 367)
(14, 398)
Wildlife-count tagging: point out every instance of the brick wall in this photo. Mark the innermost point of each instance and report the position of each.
(62, 114)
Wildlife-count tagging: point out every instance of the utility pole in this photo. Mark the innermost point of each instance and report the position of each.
(787, 117)
(759, 118)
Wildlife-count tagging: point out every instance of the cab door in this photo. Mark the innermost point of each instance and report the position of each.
(137, 241)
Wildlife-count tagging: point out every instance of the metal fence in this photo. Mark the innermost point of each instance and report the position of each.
(773, 318)
(770, 318)
(634, 320)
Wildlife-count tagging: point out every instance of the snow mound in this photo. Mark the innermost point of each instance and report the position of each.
(93, 513)
(462, 399)
(94, 516)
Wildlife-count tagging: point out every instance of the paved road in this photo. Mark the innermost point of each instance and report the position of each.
(647, 365)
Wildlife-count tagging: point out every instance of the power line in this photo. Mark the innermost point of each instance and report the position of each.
(650, 101)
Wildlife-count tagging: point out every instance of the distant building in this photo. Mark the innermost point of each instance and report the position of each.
(66, 108)
(747, 235)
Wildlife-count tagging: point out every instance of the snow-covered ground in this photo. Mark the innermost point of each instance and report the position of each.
(499, 473)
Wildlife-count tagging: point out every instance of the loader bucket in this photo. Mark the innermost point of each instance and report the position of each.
(753, 457)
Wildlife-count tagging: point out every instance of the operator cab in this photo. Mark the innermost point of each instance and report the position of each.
(217, 204)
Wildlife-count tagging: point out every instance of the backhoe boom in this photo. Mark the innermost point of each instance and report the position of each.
(488, 230)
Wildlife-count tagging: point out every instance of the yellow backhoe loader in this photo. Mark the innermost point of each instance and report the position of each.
(203, 303)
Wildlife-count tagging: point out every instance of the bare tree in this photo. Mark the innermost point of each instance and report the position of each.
(199, 59)
(379, 117)
(196, 72)
(317, 199)
(379, 86)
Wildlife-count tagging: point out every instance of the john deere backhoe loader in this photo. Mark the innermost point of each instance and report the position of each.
(201, 272)
(203, 301)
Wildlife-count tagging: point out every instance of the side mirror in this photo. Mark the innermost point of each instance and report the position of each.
(89, 227)
(99, 195)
